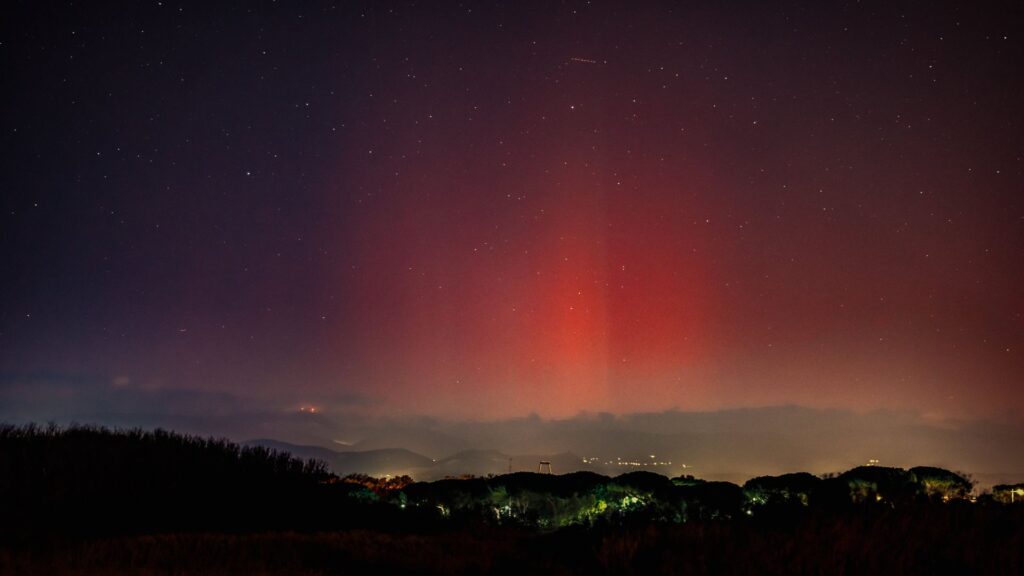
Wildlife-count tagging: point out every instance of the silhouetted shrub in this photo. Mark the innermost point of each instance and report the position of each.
(91, 480)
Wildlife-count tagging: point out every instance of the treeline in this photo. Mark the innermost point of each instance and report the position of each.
(91, 500)
(85, 480)
(586, 498)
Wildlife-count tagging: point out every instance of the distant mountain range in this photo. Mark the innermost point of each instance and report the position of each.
(733, 445)
(399, 461)
(388, 461)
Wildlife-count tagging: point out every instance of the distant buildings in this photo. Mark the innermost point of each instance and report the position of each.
(629, 462)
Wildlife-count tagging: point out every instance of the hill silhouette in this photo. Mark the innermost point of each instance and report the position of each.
(379, 462)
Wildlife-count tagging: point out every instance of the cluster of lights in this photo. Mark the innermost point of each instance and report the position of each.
(636, 463)
(308, 409)
(621, 462)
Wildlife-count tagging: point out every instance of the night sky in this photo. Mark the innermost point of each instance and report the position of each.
(486, 210)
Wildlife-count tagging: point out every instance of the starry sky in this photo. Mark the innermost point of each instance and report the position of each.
(485, 210)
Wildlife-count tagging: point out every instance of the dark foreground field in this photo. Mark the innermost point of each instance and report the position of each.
(962, 542)
(92, 501)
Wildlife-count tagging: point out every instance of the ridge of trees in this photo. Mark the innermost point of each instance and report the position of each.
(92, 480)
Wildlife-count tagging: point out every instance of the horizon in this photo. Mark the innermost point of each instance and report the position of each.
(733, 444)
